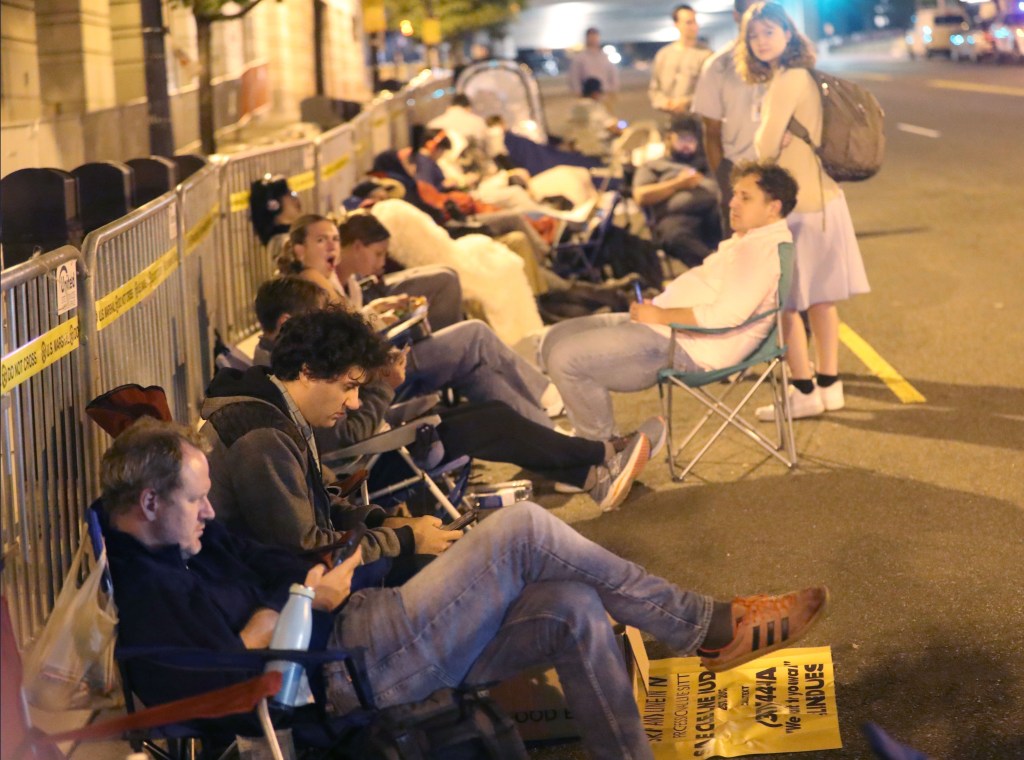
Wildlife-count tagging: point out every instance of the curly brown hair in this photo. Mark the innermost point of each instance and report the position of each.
(799, 52)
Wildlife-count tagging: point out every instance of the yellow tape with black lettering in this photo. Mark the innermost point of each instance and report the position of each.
(195, 235)
(38, 354)
(118, 302)
(297, 183)
(336, 166)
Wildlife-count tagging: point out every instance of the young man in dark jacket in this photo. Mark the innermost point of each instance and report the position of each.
(267, 476)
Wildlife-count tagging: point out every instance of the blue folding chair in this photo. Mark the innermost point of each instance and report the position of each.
(580, 255)
(180, 724)
(770, 352)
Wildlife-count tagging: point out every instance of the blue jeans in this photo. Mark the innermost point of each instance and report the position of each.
(588, 357)
(471, 358)
(523, 589)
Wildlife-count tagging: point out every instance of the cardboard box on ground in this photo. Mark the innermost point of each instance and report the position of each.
(535, 701)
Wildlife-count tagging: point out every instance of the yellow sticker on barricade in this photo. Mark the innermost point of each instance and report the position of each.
(118, 302)
(336, 166)
(783, 702)
(38, 354)
(195, 235)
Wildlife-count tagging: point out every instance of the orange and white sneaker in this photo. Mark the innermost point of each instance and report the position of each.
(762, 624)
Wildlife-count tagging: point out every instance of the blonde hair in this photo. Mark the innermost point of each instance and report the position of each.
(799, 52)
(287, 262)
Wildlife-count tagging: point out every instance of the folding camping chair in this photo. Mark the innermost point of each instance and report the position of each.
(580, 255)
(174, 723)
(403, 424)
(770, 352)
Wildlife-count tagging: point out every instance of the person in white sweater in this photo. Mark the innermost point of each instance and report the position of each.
(828, 266)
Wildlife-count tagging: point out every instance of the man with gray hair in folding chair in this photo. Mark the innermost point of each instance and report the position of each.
(588, 357)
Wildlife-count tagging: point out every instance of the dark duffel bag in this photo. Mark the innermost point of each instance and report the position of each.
(450, 724)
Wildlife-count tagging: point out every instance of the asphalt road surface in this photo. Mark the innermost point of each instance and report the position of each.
(913, 513)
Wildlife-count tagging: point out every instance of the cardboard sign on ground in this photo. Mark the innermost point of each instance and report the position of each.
(536, 703)
(783, 702)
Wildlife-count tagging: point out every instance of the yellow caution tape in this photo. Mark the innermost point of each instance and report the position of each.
(38, 354)
(195, 235)
(298, 182)
(301, 182)
(336, 166)
(118, 302)
(904, 391)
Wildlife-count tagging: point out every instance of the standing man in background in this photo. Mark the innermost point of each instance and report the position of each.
(677, 67)
(730, 110)
(592, 62)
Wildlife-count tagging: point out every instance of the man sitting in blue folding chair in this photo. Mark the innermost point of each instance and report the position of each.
(589, 357)
(521, 590)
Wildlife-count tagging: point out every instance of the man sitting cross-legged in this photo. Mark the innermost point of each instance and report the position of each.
(523, 589)
(588, 357)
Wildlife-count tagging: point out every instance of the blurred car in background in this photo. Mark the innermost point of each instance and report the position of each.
(932, 31)
(972, 44)
(1008, 37)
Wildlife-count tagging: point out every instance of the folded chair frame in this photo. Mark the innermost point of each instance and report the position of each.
(771, 352)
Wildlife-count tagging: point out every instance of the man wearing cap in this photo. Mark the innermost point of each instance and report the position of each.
(679, 198)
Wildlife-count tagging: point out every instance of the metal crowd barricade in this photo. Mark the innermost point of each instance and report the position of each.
(362, 130)
(137, 332)
(380, 124)
(204, 261)
(398, 116)
(47, 477)
(336, 166)
(248, 263)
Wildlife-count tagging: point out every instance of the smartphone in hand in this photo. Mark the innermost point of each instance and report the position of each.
(462, 520)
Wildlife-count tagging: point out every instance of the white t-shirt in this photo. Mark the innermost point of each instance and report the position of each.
(721, 95)
(738, 280)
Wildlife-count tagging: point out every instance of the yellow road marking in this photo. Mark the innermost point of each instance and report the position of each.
(992, 89)
(904, 391)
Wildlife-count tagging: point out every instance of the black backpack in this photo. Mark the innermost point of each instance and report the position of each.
(852, 129)
(451, 724)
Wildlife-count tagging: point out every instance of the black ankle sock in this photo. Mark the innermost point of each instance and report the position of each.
(720, 629)
(804, 386)
(824, 381)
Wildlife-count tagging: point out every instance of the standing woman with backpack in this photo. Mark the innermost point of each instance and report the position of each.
(828, 264)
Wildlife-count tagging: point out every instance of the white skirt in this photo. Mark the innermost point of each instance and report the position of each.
(828, 265)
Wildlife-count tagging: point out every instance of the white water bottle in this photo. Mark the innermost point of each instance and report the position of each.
(293, 629)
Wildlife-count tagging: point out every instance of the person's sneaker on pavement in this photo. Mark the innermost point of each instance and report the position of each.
(656, 431)
(762, 624)
(801, 405)
(832, 397)
(615, 477)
